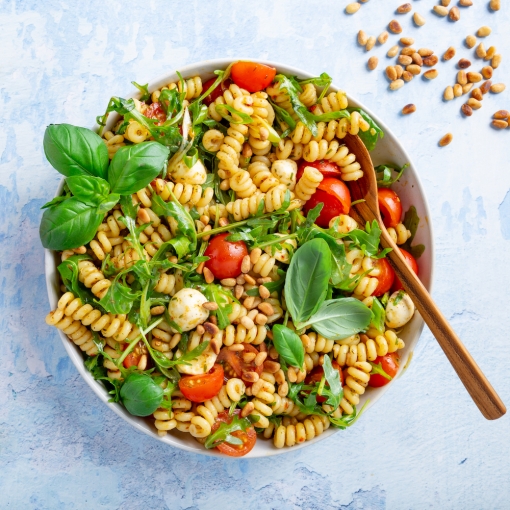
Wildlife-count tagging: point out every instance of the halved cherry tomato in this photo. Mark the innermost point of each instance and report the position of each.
(199, 388)
(155, 111)
(336, 198)
(316, 375)
(386, 277)
(217, 92)
(225, 258)
(411, 262)
(390, 206)
(389, 364)
(249, 438)
(133, 358)
(326, 168)
(252, 76)
(234, 363)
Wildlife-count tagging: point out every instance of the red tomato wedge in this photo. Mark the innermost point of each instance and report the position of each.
(326, 168)
(234, 363)
(249, 438)
(199, 388)
(390, 206)
(386, 277)
(155, 111)
(131, 360)
(217, 92)
(252, 76)
(316, 375)
(389, 364)
(411, 262)
(225, 258)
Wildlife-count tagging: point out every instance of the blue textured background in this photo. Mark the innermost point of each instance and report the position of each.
(423, 446)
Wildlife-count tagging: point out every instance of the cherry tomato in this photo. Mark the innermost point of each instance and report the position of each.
(386, 277)
(316, 375)
(389, 364)
(234, 363)
(411, 262)
(155, 111)
(326, 168)
(199, 388)
(225, 258)
(131, 360)
(252, 76)
(217, 92)
(390, 206)
(336, 198)
(249, 438)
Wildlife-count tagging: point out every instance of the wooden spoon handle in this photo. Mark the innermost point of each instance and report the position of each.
(480, 389)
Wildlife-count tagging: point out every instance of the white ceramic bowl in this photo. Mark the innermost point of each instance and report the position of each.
(410, 191)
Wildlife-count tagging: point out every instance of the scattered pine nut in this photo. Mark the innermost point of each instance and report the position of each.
(484, 31)
(465, 3)
(405, 60)
(431, 74)
(391, 73)
(502, 114)
(408, 51)
(406, 41)
(408, 108)
(440, 10)
(449, 53)
(414, 69)
(372, 63)
(407, 76)
(404, 9)
(454, 14)
(392, 51)
(425, 52)
(495, 5)
(486, 86)
(497, 88)
(397, 84)
(448, 93)
(395, 27)
(400, 71)
(490, 53)
(496, 60)
(500, 124)
(430, 61)
(370, 43)
(480, 51)
(470, 41)
(467, 87)
(362, 38)
(417, 59)
(418, 19)
(445, 3)
(383, 37)
(477, 94)
(464, 63)
(467, 110)
(462, 77)
(446, 140)
(487, 72)
(474, 77)
(352, 8)
(474, 103)
(457, 90)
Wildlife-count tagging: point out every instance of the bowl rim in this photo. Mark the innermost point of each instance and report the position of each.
(73, 351)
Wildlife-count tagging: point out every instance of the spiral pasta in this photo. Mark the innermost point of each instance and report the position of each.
(303, 431)
(230, 150)
(308, 183)
(93, 278)
(399, 234)
(262, 176)
(242, 184)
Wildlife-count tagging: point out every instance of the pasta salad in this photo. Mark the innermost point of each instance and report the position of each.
(210, 270)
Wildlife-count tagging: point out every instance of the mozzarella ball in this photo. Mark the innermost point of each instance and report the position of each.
(197, 174)
(285, 170)
(281, 254)
(400, 313)
(186, 309)
(200, 365)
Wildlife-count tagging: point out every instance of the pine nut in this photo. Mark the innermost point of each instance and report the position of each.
(157, 310)
(223, 222)
(425, 52)
(392, 51)
(271, 366)
(291, 375)
(261, 319)
(477, 94)
(445, 3)
(246, 264)
(448, 93)
(417, 59)
(250, 376)
(490, 53)
(404, 9)
(407, 76)
(485, 86)
(228, 282)
(474, 103)
(502, 114)
(143, 216)
(484, 31)
(414, 69)
(470, 41)
(418, 19)
(399, 70)
(454, 14)
(200, 268)
(406, 41)
(210, 305)
(449, 53)
(462, 77)
(249, 279)
(266, 309)
(352, 8)
(430, 75)
(464, 63)
(480, 51)
(408, 51)
(205, 219)
(247, 409)
(211, 328)
(496, 60)
(249, 302)
(466, 88)
(440, 10)
(372, 63)
(260, 358)
(248, 357)
(405, 60)
(495, 5)
(497, 88)
(383, 37)
(209, 277)
(362, 38)
(446, 140)
(264, 292)
(238, 291)
(487, 72)
(397, 84)
(408, 108)
(236, 347)
(500, 124)
(395, 27)
(457, 90)
(474, 77)
(467, 110)
(430, 61)
(465, 3)
(370, 43)
(391, 73)
(206, 229)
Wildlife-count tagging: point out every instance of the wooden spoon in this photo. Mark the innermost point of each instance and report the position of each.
(481, 391)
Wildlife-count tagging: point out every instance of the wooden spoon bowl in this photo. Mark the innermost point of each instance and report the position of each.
(480, 389)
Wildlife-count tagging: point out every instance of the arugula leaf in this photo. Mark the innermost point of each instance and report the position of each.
(324, 80)
(289, 345)
(347, 420)
(386, 179)
(119, 297)
(370, 137)
(69, 272)
(333, 379)
(224, 432)
(378, 315)
(378, 369)
(367, 240)
(237, 117)
(216, 294)
(144, 90)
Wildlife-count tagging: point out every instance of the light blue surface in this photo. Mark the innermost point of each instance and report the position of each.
(425, 445)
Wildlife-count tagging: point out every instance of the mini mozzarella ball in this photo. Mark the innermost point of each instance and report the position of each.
(285, 171)
(186, 309)
(195, 175)
(397, 315)
(282, 254)
(200, 365)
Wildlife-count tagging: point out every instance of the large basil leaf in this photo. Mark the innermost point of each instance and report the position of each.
(90, 190)
(134, 167)
(73, 150)
(68, 225)
(289, 345)
(307, 279)
(141, 395)
(340, 318)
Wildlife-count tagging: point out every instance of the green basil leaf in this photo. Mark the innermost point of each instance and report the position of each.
(68, 225)
(333, 379)
(378, 315)
(55, 201)
(340, 318)
(307, 279)
(90, 190)
(140, 395)
(289, 345)
(73, 150)
(108, 203)
(134, 167)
